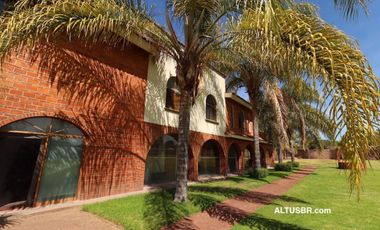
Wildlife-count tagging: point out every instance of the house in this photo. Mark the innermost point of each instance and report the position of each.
(80, 121)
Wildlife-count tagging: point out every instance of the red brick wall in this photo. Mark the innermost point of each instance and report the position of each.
(317, 154)
(103, 96)
(101, 90)
(234, 107)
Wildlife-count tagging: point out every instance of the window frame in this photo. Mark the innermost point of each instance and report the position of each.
(172, 93)
(211, 109)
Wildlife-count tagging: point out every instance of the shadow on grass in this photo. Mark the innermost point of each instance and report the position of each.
(236, 179)
(257, 221)
(160, 210)
(292, 199)
(220, 191)
(278, 174)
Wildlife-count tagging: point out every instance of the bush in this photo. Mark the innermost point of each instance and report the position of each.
(257, 173)
(294, 164)
(343, 165)
(283, 167)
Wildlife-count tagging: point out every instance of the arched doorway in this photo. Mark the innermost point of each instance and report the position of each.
(248, 158)
(161, 162)
(39, 161)
(233, 158)
(209, 160)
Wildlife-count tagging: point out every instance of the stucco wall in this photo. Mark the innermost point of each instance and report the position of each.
(158, 75)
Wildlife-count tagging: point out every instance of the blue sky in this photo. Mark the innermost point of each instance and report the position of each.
(364, 29)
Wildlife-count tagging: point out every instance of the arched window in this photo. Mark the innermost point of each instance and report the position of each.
(209, 161)
(247, 158)
(40, 158)
(233, 158)
(161, 162)
(173, 94)
(241, 121)
(211, 108)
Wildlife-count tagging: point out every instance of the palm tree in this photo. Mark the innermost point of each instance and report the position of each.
(275, 27)
(350, 7)
(301, 44)
(301, 115)
(111, 21)
(243, 71)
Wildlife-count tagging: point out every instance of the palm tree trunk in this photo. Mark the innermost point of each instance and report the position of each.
(291, 152)
(256, 135)
(279, 154)
(182, 149)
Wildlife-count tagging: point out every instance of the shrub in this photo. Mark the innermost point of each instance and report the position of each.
(343, 165)
(294, 164)
(257, 173)
(283, 167)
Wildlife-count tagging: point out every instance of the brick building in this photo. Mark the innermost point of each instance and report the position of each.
(83, 121)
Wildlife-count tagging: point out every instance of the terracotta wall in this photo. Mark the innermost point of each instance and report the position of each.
(101, 90)
(233, 109)
(318, 154)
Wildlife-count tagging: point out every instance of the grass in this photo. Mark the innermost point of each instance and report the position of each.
(154, 210)
(326, 188)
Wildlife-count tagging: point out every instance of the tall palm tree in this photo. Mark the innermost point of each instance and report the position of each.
(299, 106)
(275, 29)
(243, 71)
(298, 44)
(192, 45)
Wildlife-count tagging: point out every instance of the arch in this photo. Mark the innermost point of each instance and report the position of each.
(52, 115)
(249, 157)
(233, 158)
(46, 173)
(161, 161)
(211, 112)
(173, 94)
(263, 161)
(210, 158)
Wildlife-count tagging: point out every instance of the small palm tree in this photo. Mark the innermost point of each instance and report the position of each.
(298, 106)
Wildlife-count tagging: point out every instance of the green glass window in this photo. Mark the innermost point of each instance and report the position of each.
(209, 161)
(161, 161)
(61, 171)
(173, 94)
(233, 159)
(211, 108)
(247, 159)
(58, 146)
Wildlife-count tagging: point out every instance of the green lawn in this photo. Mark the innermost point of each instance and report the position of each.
(154, 210)
(326, 188)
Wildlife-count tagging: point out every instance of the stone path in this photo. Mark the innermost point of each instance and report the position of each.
(63, 219)
(225, 215)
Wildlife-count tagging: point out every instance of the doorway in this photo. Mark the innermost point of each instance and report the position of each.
(17, 165)
(39, 161)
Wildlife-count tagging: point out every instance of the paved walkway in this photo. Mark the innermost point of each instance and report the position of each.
(63, 219)
(225, 215)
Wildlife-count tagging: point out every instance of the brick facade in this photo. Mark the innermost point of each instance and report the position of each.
(101, 90)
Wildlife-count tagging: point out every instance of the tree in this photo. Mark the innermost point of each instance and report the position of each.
(278, 28)
(325, 55)
(301, 115)
(192, 45)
